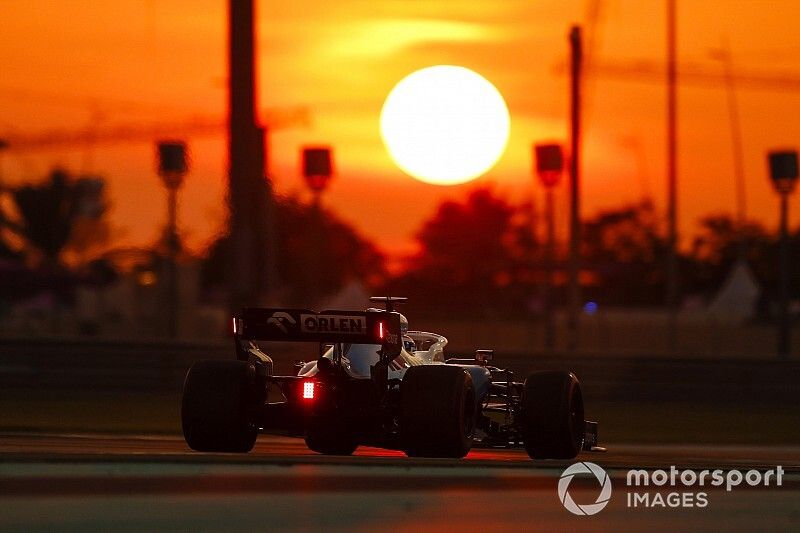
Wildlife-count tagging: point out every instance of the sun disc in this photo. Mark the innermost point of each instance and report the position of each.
(445, 125)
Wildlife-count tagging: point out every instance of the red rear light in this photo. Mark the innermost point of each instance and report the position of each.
(381, 330)
(308, 390)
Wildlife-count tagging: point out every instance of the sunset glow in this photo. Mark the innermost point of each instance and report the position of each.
(88, 67)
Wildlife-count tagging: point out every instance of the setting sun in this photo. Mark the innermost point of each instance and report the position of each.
(445, 125)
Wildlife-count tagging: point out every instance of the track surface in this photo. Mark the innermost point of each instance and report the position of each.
(150, 483)
(288, 450)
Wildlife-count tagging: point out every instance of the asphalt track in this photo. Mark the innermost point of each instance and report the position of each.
(154, 483)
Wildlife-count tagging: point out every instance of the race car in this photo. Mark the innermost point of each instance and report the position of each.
(375, 383)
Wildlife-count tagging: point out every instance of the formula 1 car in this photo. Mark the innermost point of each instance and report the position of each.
(374, 383)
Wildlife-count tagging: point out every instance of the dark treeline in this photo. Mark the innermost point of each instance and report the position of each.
(476, 257)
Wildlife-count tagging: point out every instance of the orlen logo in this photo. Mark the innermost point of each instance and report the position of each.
(584, 468)
(348, 324)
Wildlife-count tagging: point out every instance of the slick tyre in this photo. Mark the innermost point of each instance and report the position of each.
(218, 403)
(437, 411)
(552, 415)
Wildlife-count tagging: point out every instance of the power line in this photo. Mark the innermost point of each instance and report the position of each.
(279, 118)
(648, 71)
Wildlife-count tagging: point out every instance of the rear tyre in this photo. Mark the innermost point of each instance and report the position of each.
(552, 415)
(437, 411)
(218, 402)
(330, 436)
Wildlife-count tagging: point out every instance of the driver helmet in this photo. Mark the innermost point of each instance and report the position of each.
(403, 324)
(409, 345)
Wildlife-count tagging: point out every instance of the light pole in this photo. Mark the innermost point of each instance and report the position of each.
(172, 167)
(783, 171)
(317, 172)
(576, 68)
(549, 165)
(673, 282)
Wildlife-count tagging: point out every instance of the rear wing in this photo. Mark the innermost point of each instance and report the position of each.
(305, 325)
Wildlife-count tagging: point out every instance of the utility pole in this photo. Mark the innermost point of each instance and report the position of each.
(250, 269)
(672, 178)
(576, 54)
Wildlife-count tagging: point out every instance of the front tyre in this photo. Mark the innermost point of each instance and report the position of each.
(216, 412)
(437, 411)
(552, 415)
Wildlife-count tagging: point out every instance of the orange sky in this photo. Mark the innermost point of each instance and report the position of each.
(78, 64)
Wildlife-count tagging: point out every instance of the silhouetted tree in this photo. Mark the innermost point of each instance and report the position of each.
(48, 214)
(719, 243)
(317, 254)
(46, 219)
(474, 258)
(626, 253)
